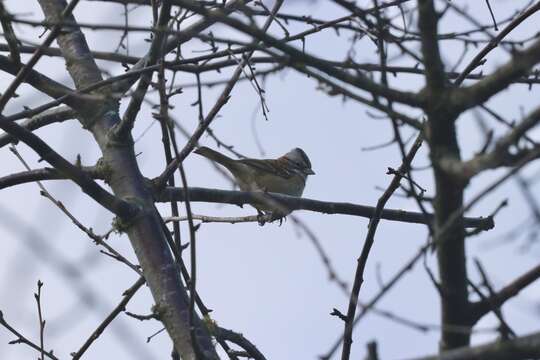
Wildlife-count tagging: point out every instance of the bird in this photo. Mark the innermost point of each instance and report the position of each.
(285, 175)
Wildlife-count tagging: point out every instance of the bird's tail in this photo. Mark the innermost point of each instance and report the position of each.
(214, 155)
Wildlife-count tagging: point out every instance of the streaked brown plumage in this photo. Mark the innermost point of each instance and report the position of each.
(286, 174)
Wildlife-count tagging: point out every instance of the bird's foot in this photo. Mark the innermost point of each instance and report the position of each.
(276, 216)
(261, 218)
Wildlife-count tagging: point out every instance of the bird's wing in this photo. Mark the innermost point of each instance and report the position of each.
(269, 166)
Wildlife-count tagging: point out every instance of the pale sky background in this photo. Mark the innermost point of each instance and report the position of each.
(265, 282)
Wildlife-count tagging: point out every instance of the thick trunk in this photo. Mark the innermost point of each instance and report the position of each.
(145, 230)
(451, 243)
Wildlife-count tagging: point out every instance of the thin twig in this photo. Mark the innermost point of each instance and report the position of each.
(370, 238)
(127, 295)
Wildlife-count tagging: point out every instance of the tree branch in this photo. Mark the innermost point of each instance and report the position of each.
(427, 23)
(499, 156)
(294, 203)
(370, 239)
(63, 12)
(145, 230)
(480, 92)
(43, 83)
(127, 295)
(87, 184)
(303, 58)
(23, 340)
(173, 42)
(524, 347)
(43, 174)
(124, 127)
(482, 307)
(239, 339)
(38, 121)
(494, 42)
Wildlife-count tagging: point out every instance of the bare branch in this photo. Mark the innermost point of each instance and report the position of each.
(38, 121)
(427, 23)
(481, 308)
(370, 239)
(299, 57)
(525, 347)
(127, 295)
(295, 203)
(494, 42)
(43, 174)
(23, 340)
(499, 156)
(87, 184)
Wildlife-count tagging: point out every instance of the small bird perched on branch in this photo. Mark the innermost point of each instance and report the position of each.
(286, 175)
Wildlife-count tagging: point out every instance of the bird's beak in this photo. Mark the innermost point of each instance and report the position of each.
(309, 172)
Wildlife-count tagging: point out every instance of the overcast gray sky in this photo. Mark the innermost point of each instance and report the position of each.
(265, 282)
